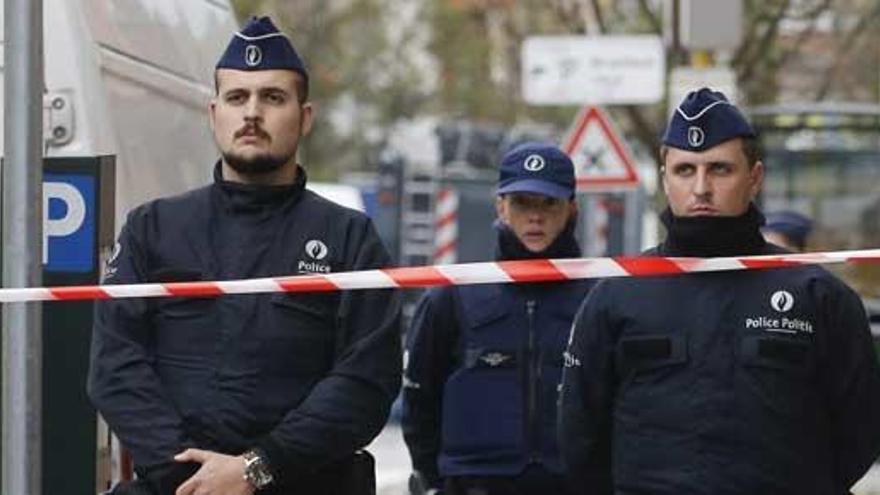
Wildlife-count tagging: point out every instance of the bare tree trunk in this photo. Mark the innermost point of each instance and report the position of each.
(749, 65)
(840, 55)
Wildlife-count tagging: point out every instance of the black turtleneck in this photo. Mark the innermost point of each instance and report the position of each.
(706, 236)
(509, 247)
(255, 197)
(248, 219)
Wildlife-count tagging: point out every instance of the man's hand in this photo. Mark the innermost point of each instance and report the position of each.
(220, 474)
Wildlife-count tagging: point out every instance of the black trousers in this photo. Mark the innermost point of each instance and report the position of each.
(534, 480)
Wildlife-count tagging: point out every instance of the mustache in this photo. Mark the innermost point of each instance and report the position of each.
(251, 129)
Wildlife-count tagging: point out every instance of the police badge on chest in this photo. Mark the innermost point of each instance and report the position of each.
(314, 258)
(784, 320)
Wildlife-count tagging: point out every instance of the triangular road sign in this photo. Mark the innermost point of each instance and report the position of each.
(601, 158)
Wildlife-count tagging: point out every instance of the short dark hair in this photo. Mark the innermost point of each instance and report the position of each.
(302, 88)
(751, 148)
(301, 85)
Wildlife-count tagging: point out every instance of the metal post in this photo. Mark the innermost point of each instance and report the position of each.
(22, 237)
(633, 209)
(587, 217)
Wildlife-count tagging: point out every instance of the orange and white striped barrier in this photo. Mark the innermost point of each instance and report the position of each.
(552, 270)
(445, 226)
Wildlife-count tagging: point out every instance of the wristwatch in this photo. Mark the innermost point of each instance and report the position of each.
(256, 471)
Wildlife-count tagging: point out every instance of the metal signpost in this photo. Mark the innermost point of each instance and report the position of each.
(22, 232)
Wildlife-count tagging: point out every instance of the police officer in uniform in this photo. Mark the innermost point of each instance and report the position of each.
(787, 229)
(484, 361)
(761, 381)
(265, 393)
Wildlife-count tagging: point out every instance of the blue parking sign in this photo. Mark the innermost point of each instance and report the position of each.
(69, 236)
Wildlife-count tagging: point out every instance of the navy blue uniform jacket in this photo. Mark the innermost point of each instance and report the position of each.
(309, 377)
(721, 383)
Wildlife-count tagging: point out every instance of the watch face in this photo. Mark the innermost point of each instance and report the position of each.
(262, 478)
(256, 472)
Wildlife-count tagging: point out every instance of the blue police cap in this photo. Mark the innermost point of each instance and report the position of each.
(789, 223)
(705, 118)
(260, 46)
(539, 168)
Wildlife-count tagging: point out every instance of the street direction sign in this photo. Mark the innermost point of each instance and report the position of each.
(601, 158)
(562, 70)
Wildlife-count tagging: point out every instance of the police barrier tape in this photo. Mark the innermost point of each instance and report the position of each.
(520, 271)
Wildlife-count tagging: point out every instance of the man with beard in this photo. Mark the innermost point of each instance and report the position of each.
(755, 381)
(232, 395)
(484, 361)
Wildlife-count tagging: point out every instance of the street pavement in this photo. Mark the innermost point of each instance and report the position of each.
(870, 483)
(392, 461)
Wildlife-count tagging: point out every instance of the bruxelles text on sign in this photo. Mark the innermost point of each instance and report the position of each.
(564, 70)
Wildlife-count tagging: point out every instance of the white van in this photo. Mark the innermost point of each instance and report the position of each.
(133, 79)
(345, 195)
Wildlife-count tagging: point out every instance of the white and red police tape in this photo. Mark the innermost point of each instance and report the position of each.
(428, 276)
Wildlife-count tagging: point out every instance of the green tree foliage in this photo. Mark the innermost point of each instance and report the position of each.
(464, 54)
(477, 46)
(359, 83)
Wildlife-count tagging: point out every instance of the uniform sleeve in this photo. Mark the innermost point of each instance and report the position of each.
(430, 349)
(122, 384)
(585, 414)
(854, 399)
(349, 406)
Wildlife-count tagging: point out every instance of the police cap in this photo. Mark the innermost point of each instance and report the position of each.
(539, 168)
(791, 224)
(260, 46)
(704, 119)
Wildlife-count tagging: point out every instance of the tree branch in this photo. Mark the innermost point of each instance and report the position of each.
(817, 10)
(644, 130)
(806, 34)
(842, 49)
(750, 36)
(748, 67)
(599, 16)
(566, 18)
(656, 24)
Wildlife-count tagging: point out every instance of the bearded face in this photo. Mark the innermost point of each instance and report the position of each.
(258, 120)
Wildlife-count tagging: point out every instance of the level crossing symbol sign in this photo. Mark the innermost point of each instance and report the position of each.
(601, 158)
